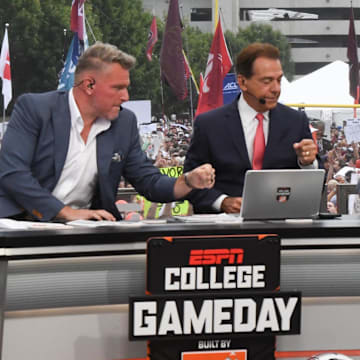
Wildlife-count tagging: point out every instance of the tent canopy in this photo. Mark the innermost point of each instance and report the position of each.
(327, 85)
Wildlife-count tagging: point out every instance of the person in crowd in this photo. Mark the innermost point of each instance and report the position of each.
(331, 208)
(323, 144)
(253, 132)
(64, 153)
(331, 191)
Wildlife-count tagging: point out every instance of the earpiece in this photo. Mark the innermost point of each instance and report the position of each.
(91, 83)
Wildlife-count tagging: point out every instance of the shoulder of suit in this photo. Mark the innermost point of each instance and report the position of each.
(218, 113)
(45, 97)
(284, 109)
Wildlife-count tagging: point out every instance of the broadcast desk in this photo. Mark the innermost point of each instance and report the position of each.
(64, 293)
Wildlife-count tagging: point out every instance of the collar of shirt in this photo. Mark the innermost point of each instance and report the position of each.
(247, 113)
(249, 124)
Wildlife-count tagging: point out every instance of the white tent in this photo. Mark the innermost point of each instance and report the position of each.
(328, 85)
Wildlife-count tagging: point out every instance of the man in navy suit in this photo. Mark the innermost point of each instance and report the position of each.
(225, 137)
(63, 153)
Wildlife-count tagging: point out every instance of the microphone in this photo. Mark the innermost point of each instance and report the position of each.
(261, 100)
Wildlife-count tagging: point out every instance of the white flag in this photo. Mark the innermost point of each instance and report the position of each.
(5, 73)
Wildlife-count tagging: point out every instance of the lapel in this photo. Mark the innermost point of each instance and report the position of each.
(234, 124)
(104, 150)
(61, 123)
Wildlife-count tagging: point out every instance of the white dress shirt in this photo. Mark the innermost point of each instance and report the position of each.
(77, 181)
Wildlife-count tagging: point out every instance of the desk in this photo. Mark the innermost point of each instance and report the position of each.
(86, 268)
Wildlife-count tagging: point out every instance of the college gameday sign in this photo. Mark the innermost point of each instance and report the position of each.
(213, 297)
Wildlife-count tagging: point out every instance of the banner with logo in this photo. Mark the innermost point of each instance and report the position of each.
(213, 297)
(231, 88)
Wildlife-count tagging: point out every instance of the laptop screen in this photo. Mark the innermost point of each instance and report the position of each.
(282, 194)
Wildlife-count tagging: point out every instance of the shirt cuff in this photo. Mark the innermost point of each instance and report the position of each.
(314, 165)
(217, 203)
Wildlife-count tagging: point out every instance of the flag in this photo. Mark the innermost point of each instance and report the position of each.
(77, 18)
(353, 59)
(171, 56)
(78, 45)
(218, 65)
(152, 39)
(5, 73)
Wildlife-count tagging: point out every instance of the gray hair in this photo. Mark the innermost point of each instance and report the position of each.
(99, 54)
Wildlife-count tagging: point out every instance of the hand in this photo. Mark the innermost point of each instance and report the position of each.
(201, 177)
(306, 151)
(69, 214)
(231, 205)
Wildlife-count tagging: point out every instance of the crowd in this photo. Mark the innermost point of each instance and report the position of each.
(341, 162)
(167, 146)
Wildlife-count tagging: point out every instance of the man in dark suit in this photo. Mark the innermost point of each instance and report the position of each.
(63, 153)
(226, 137)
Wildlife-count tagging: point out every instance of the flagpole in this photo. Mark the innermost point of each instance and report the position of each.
(162, 93)
(216, 15)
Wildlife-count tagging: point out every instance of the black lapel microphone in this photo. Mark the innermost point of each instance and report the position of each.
(261, 100)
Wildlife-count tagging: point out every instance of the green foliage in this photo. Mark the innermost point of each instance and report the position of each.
(36, 39)
(38, 45)
(261, 33)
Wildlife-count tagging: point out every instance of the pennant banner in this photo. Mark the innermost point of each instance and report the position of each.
(152, 39)
(5, 72)
(78, 45)
(77, 18)
(218, 65)
(171, 56)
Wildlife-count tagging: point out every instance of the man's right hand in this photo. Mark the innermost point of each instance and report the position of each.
(69, 214)
(231, 205)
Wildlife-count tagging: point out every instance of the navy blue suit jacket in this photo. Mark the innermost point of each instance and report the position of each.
(34, 150)
(218, 139)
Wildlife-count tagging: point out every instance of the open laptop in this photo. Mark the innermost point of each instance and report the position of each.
(282, 194)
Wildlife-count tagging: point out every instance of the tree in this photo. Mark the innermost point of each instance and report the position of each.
(262, 33)
(36, 40)
(126, 25)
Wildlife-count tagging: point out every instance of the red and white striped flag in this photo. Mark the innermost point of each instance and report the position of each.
(5, 73)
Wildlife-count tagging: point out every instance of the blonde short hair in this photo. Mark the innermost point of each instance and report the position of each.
(99, 54)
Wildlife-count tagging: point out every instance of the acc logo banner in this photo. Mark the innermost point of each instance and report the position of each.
(215, 355)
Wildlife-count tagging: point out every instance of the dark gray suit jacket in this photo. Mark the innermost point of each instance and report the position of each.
(218, 139)
(34, 150)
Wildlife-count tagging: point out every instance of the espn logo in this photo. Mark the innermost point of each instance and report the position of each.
(216, 256)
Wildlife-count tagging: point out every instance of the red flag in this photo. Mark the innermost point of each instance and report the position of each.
(5, 73)
(171, 56)
(77, 18)
(353, 59)
(218, 65)
(152, 39)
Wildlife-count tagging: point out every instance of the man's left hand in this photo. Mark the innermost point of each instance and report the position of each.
(306, 151)
(201, 177)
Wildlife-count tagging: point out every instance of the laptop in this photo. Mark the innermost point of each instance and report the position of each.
(282, 194)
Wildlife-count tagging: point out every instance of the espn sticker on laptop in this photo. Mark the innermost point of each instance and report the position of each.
(215, 355)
